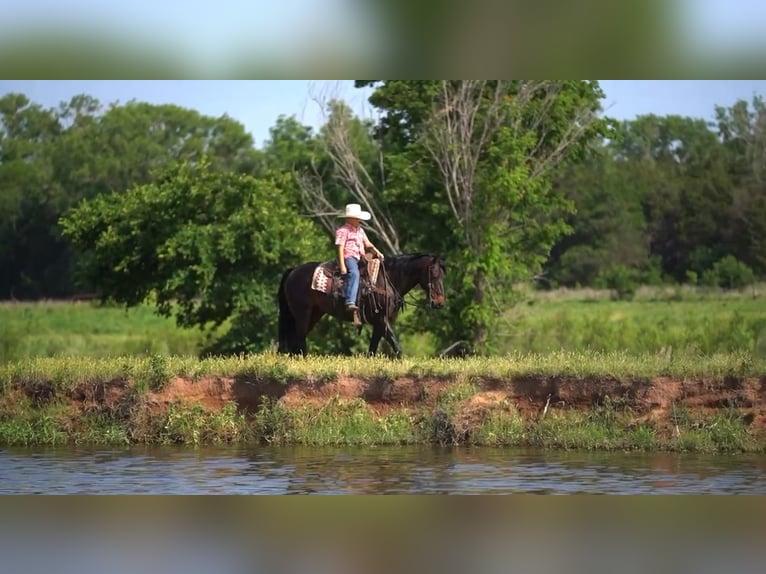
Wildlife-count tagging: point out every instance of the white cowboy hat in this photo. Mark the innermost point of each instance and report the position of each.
(354, 210)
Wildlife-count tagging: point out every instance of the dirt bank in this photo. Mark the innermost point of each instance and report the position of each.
(659, 400)
(710, 414)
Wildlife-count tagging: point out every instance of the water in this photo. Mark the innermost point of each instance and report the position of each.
(417, 470)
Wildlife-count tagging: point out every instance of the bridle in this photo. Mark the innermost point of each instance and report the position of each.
(431, 273)
(432, 267)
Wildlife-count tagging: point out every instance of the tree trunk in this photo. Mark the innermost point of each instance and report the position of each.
(479, 335)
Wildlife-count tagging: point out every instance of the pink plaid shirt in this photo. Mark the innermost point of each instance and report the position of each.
(353, 240)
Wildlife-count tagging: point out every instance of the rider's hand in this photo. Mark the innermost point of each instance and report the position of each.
(380, 256)
(343, 270)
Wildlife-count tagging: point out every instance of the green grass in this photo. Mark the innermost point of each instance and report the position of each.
(58, 348)
(153, 372)
(49, 329)
(705, 324)
(657, 320)
(48, 417)
(334, 423)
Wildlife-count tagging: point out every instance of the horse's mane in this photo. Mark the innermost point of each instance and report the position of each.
(396, 261)
(402, 262)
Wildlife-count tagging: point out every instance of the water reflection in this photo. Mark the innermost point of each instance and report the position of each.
(308, 470)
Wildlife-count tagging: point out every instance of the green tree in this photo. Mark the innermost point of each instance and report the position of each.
(608, 225)
(490, 147)
(30, 250)
(742, 129)
(206, 247)
(52, 159)
(679, 171)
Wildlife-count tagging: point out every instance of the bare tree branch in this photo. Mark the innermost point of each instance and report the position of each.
(351, 173)
(315, 200)
(468, 115)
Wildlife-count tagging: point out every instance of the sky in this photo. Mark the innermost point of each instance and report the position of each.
(258, 103)
(211, 32)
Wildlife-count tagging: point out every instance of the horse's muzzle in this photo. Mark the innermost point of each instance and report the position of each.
(437, 303)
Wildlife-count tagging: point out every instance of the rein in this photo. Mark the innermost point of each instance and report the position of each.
(389, 298)
(425, 304)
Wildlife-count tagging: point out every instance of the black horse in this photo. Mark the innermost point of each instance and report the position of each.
(301, 306)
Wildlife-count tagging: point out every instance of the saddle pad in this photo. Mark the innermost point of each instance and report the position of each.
(320, 281)
(322, 278)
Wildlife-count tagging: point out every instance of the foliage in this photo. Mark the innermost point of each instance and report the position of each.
(620, 279)
(205, 246)
(728, 273)
(661, 199)
(51, 159)
(498, 217)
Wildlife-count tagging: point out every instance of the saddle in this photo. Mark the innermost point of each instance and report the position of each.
(327, 277)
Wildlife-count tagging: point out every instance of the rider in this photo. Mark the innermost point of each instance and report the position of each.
(352, 241)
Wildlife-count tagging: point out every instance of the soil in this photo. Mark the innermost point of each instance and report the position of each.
(657, 401)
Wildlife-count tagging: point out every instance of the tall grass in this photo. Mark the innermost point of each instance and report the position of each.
(151, 373)
(338, 422)
(641, 326)
(84, 329)
(657, 321)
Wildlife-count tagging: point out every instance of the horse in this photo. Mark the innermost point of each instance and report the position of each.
(301, 306)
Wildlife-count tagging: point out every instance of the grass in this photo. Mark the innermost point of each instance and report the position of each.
(153, 372)
(35, 406)
(85, 329)
(353, 423)
(692, 321)
(50, 350)
(657, 320)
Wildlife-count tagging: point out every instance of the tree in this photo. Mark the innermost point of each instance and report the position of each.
(206, 247)
(348, 168)
(679, 167)
(742, 129)
(52, 159)
(493, 146)
(608, 225)
(30, 250)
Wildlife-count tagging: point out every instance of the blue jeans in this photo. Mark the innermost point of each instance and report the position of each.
(352, 279)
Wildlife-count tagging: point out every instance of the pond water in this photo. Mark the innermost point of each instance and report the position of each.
(379, 470)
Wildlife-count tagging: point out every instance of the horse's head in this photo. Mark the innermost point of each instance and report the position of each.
(432, 281)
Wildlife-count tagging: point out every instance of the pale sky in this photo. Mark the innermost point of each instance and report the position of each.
(210, 32)
(258, 103)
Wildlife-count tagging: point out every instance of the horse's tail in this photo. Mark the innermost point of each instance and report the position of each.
(286, 318)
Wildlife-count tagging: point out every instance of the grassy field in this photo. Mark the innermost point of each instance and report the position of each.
(64, 401)
(66, 372)
(656, 321)
(703, 324)
(83, 329)
(54, 354)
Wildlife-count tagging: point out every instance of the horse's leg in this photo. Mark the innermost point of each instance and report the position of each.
(378, 329)
(316, 314)
(302, 327)
(391, 338)
(309, 318)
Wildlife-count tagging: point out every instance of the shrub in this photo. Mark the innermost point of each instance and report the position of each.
(620, 279)
(728, 273)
